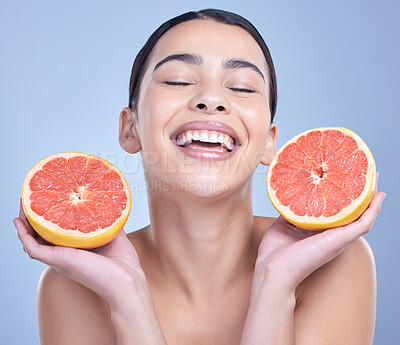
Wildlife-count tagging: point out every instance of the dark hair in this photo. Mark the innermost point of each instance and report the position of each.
(141, 61)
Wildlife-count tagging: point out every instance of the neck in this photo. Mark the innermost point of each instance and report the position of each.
(202, 245)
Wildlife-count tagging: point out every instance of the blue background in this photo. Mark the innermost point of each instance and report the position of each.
(64, 76)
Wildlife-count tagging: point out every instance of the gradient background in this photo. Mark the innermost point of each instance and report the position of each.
(64, 77)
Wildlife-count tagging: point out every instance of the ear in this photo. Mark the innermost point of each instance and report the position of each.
(128, 135)
(270, 147)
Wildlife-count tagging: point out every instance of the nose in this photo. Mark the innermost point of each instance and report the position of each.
(210, 100)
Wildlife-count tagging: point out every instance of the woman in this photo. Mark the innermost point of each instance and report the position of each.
(205, 270)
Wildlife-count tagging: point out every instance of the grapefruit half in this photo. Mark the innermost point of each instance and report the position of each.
(322, 178)
(76, 200)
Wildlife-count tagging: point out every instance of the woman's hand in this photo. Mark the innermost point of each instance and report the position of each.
(110, 271)
(288, 254)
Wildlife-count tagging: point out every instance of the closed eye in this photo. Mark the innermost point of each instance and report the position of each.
(238, 89)
(176, 83)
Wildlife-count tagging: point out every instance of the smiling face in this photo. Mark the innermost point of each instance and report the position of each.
(208, 79)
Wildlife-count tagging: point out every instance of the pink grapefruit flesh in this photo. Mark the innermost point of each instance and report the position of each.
(322, 178)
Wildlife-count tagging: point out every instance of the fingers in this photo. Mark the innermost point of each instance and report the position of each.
(25, 231)
(101, 274)
(35, 246)
(355, 229)
(62, 259)
(326, 245)
(30, 245)
(310, 250)
(364, 223)
(334, 241)
(110, 247)
(22, 216)
(50, 255)
(299, 233)
(119, 246)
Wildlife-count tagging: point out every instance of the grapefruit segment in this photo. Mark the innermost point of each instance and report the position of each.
(316, 202)
(310, 144)
(331, 139)
(77, 167)
(58, 169)
(76, 199)
(43, 181)
(322, 178)
(299, 203)
(43, 200)
(284, 174)
(295, 157)
(56, 212)
(94, 171)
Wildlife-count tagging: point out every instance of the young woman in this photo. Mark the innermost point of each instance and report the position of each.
(205, 270)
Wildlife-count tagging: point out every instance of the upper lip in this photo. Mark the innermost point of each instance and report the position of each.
(209, 126)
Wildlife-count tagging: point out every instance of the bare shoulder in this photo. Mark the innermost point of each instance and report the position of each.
(338, 300)
(70, 313)
(356, 263)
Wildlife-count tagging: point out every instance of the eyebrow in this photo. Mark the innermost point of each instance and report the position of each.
(234, 63)
(187, 58)
(197, 60)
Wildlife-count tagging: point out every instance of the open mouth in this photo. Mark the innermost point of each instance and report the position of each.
(205, 140)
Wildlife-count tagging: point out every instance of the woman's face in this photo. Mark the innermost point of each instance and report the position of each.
(204, 71)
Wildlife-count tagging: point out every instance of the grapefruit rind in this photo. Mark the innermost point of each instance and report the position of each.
(348, 214)
(53, 233)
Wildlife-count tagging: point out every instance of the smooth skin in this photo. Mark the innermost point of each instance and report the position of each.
(206, 271)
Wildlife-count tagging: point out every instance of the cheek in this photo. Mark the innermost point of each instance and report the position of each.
(256, 118)
(156, 109)
(160, 103)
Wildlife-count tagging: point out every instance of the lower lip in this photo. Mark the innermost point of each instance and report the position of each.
(207, 154)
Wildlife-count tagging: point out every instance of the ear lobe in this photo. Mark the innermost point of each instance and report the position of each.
(270, 147)
(128, 137)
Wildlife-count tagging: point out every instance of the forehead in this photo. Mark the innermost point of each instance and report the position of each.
(211, 40)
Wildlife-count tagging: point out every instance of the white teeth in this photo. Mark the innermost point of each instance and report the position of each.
(213, 138)
(228, 143)
(204, 137)
(186, 138)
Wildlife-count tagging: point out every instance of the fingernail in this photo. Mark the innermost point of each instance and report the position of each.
(384, 196)
(14, 221)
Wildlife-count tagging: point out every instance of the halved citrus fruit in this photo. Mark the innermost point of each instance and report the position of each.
(76, 200)
(322, 178)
